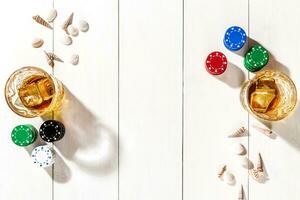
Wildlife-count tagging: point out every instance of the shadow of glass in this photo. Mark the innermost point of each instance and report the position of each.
(233, 76)
(288, 129)
(87, 142)
(64, 174)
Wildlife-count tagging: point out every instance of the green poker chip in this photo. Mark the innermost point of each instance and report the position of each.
(24, 135)
(256, 58)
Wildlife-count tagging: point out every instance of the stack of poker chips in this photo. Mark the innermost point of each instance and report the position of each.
(235, 39)
(50, 131)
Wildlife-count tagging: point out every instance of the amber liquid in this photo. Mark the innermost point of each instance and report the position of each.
(264, 95)
(36, 92)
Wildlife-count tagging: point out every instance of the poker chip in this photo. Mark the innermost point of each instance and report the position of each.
(52, 130)
(235, 38)
(43, 156)
(24, 135)
(216, 63)
(256, 58)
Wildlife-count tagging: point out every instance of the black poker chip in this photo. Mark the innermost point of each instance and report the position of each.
(52, 131)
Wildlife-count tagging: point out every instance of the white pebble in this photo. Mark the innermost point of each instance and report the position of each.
(246, 163)
(66, 40)
(83, 26)
(37, 42)
(239, 149)
(72, 30)
(229, 178)
(51, 15)
(74, 60)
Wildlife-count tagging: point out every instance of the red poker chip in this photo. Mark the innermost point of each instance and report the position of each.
(216, 63)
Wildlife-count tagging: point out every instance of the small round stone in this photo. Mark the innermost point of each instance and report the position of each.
(83, 26)
(72, 30)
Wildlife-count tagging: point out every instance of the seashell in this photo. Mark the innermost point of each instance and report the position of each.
(221, 171)
(55, 57)
(67, 23)
(246, 163)
(260, 164)
(83, 26)
(66, 40)
(50, 59)
(264, 131)
(229, 178)
(240, 149)
(52, 15)
(37, 42)
(41, 21)
(256, 175)
(241, 132)
(72, 30)
(241, 193)
(74, 60)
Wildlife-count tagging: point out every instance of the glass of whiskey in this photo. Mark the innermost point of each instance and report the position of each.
(32, 92)
(270, 95)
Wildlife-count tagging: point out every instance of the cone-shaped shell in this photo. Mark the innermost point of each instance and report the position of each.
(255, 174)
(50, 59)
(55, 57)
(241, 193)
(265, 131)
(67, 23)
(221, 171)
(41, 21)
(260, 165)
(241, 132)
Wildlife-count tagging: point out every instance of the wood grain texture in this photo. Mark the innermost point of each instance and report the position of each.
(19, 177)
(87, 168)
(150, 99)
(276, 28)
(212, 107)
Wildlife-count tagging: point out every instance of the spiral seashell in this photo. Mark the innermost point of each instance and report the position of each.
(41, 21)
(221, 171)
(50, 59)
(52, 15)
(256, 175)
(260, 164)
(67, 23)
(241, 193)
(265, 131)
(241, 132)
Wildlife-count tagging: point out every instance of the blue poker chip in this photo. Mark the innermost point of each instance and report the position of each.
(235, 38)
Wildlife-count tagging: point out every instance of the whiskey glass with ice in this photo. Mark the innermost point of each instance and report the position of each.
(32, 92)
(270, 95)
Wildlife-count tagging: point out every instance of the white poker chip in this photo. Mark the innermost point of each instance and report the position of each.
(43, 156)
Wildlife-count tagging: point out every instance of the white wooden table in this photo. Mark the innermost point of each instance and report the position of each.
(146, 121)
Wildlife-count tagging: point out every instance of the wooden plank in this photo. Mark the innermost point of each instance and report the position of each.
(212, 106)
(87, 168)
(150, 99)
(17, 169)
(277, 29)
